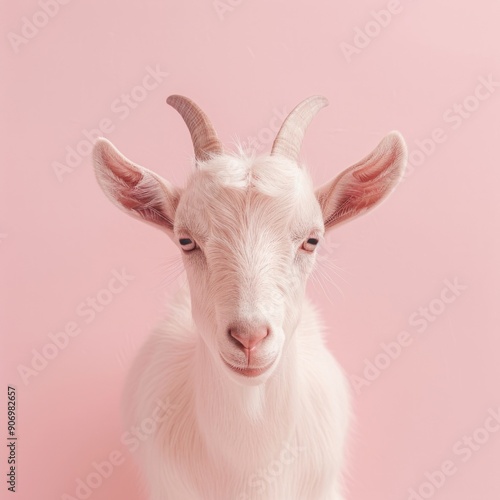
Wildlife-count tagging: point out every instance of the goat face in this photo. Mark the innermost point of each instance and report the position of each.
(248, 229)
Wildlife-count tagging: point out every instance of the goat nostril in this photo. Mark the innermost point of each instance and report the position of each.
(248, 339)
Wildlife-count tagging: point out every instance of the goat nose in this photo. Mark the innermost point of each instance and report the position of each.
(249, 338)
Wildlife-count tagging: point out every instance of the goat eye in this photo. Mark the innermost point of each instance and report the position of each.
(187, 244)
(310, 244)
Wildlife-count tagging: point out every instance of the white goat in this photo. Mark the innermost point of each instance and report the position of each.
(235, 390)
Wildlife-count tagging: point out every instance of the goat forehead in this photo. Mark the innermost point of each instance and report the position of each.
(268, 174)
(274, 177)
(243, 196)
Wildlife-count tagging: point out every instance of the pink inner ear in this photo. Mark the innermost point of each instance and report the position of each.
(128, 178)
(121, 168)
(149, 200)
(365, 184)
(378, 164)
(135, 188)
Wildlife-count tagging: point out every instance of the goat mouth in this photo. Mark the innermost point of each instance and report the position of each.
(248, 371)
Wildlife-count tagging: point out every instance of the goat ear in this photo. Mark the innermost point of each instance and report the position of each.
(365, 184)
(134, 189)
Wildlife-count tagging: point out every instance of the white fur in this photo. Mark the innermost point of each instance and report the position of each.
(221, 441)
(224, 439)
(213, 433)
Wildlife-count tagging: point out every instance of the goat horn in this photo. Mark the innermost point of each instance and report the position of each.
(203, 135)
(290, 136)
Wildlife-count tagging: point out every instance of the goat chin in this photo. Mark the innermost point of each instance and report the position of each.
(202, 435)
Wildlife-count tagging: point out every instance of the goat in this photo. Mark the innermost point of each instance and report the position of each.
(248, 402)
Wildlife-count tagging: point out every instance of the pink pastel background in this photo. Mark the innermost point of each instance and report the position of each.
(246, 62)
